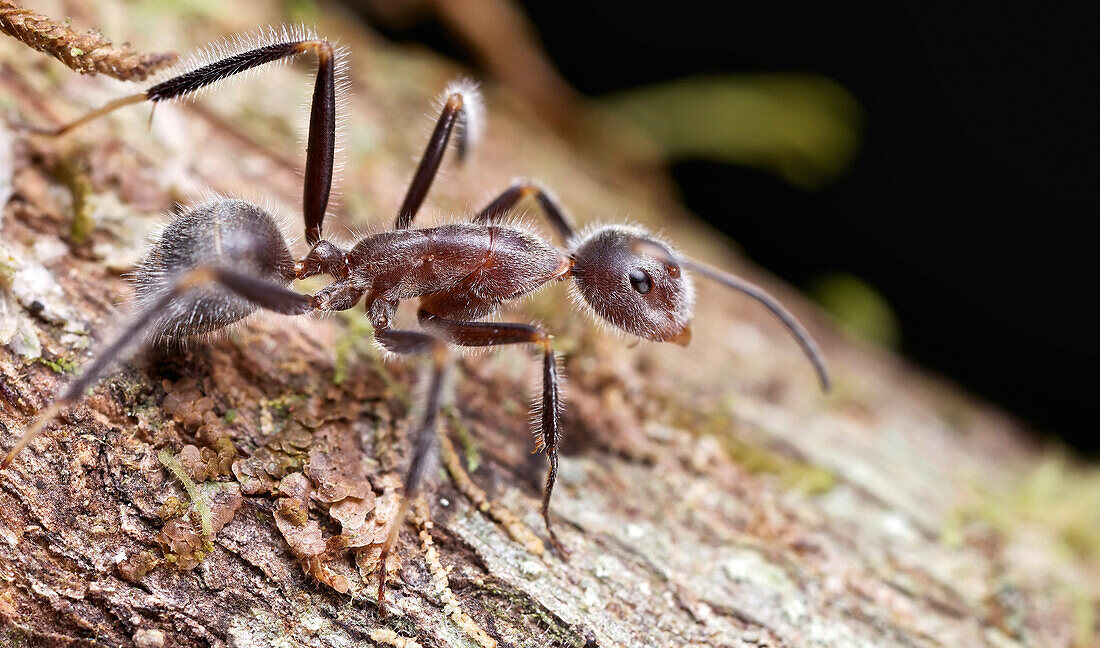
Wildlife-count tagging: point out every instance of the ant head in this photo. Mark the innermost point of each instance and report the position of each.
(643, 294)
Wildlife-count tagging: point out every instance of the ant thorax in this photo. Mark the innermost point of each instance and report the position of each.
(461, 270)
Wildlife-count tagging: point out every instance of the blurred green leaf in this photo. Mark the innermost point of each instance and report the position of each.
(858, 308)
(805, 128)
(301, 11)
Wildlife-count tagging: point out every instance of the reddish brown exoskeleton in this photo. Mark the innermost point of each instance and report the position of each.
(219, 262)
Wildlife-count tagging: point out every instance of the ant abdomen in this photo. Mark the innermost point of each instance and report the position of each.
(224, 233)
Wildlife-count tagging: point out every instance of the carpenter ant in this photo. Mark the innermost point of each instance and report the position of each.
(217, 263)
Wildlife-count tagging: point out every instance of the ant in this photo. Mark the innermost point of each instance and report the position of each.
(219, 262)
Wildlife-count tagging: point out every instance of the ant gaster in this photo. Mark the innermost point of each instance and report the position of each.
(217, 263)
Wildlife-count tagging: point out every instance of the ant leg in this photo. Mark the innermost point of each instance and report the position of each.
(321, 143)
(413, 343)
(337, 296)
(461, 109)
(264, 294)
(475, 334)
(500, 206)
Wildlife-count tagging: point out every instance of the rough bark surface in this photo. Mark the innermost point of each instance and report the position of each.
(711, 496)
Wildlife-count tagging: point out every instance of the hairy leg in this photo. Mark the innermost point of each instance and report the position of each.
(413, 343)
(264, 294)
(503, 203)
(492, 334)
(461, 111)
(321, 143)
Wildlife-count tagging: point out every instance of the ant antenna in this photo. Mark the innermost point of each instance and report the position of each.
(809, 347)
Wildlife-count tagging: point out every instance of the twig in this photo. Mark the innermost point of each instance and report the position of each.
(89, 53)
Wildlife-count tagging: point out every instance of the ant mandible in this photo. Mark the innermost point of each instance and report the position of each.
(221, 261)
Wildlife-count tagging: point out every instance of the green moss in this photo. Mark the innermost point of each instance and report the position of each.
(283, 404)
(1056, 496)
(804, 128)
(356, 343)
(344, 347)
(169, 461)
(469, 447)
(505, 603)
(1084, 620)
(16, 638)
(792, 472)
(59, 364)
(71, 175)
(510, 406)
(8, 268)
(171, 508)
(279, 410)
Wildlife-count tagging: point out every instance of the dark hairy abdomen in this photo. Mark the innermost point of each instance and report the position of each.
(228, 233)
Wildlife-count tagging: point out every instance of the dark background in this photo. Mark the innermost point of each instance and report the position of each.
(972, 206)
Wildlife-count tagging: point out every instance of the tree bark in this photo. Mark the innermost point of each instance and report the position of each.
(711, 495)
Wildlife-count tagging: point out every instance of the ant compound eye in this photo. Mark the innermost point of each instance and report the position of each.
(641, 281)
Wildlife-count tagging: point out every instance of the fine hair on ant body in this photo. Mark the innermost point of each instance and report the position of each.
(218, 262)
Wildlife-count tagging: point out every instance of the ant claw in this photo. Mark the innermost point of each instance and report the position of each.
(559, 548)
(382, 592)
